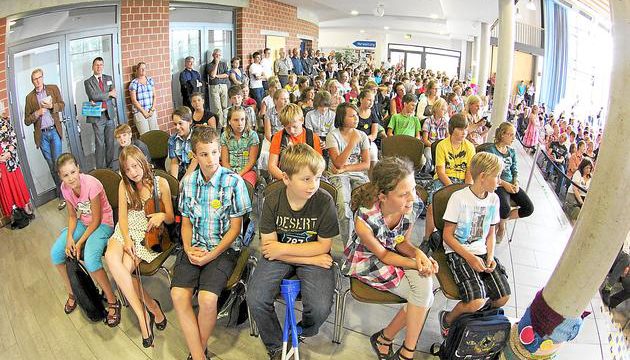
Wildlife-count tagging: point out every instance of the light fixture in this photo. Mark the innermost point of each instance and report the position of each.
(386, 27)
(433, 16)
(379, 10)
(531, 6)
(362, 31)
(518, 15)
(354, 13)
(172, 8)
(11, 23)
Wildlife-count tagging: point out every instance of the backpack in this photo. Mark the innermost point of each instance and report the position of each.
(284, 141)
(233, 306)
(20, 218)
(84, 290)
(478, 336)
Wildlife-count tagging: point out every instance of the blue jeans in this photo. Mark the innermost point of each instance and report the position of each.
(318, 285)
(51, 149)
(92, 249)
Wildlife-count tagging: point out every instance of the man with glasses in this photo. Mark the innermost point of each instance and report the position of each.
(189, 81)
(42, 108)
(100, 89)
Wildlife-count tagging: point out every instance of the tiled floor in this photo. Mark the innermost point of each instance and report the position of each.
(33, 326)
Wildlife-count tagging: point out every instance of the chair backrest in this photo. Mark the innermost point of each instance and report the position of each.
(404, 146)
(110, 180)
(157, 142)
(362, 196)
(484, 147)
(440, 200)
(173, 185)
(433, 150)
(322, 184)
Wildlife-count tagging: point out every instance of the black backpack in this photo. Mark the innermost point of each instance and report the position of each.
(477, 336)
(20, 219)
(85, 292)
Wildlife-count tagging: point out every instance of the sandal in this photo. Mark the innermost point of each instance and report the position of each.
(114, 319)
(397, 355)
(374, 340)
(67, 308)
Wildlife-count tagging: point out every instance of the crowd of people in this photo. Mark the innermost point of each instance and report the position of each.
(299, 120)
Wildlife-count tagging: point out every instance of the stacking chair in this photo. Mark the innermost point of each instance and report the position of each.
(361, 291)
(110, 180)
(404, 146)
(157, 142)
(484, 147)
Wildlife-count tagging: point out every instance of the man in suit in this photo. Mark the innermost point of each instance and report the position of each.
(330, 72)
(100, 89)
(41, 110)
(189, 81)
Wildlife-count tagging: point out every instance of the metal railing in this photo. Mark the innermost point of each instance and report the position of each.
(524, 33)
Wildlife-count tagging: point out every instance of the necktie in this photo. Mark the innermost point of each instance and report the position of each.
(100, 85)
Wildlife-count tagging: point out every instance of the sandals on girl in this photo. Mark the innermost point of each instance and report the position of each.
(397, 355)
(67, 308)
(113, 320)
(374, 340)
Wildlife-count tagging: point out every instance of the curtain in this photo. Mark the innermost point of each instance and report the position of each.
(554, 77)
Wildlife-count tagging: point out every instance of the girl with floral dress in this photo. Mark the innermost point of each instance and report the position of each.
(125, 249)
(13, 191)
(380, 253)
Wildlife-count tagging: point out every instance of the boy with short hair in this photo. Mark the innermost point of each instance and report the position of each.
(297, 226)
(179, 144)
(235, 97)
(213, 201)
(469, 227)
(292, 119)
(124, 137)
(405, 123)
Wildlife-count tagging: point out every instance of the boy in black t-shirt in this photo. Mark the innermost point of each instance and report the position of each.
(298, 223)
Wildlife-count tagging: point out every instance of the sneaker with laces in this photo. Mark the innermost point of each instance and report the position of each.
(444, 327)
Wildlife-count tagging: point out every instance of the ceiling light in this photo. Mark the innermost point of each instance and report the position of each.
(172, 8)
(11, 23)
(386, 27)
(433, 16)
(362, 31)
(531, 6)
(379, 10)
(354, 13)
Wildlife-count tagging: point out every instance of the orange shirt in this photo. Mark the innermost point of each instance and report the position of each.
(300, 139)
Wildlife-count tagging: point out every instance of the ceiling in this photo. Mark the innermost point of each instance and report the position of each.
(453, 18)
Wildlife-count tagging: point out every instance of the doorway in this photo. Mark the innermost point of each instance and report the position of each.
(66, 61)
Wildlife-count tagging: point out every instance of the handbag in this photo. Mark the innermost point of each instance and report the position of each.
(156, 239)
(91, 110)
(84, 290)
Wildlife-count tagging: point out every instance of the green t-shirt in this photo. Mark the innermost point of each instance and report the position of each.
(405, 125)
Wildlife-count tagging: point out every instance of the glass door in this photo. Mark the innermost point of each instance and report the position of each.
(47, 55)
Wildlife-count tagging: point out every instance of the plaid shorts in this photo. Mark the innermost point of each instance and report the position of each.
(473, 285)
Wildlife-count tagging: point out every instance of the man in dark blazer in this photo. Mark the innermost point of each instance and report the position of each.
(41, 110)
(100, 89)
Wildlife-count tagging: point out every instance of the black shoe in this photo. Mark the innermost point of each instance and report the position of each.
(275, 355)
(375, 342)
(160, 325)
(148, 342)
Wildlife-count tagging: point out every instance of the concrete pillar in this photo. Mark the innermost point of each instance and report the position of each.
(484, 58)
(604, 222)
(505, 63)
(475, 61)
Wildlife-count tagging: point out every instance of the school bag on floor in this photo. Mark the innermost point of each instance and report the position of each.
(85, 292)
(477, 336)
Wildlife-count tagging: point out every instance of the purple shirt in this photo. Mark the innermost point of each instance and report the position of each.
(90, 189)
(46, 119)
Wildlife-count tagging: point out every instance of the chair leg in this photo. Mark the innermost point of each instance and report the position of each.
(340, 315)
(166, 272)
(121, 296)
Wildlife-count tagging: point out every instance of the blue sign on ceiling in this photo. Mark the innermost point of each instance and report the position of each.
(365, 44)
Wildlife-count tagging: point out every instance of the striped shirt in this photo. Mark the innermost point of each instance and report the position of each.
(180, 148)
(210, 205)
(144, 93)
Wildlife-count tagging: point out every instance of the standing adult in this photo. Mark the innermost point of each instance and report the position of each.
(42, 108)
(189, 81)
(307, 65)
(298, 69)
(142, 94)
(100, 89)
(218, 81)
(283, 67)
(237, 77)
(255, 79)
(267, 63)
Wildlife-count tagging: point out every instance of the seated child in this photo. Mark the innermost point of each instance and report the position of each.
(90, 224)
(469, 226)
(267, 102)
(239, 145)
(322, 118)
(201, 114)
(298, 223)
(271, 125)
(452, 162)
(349, 151)
(382, 255)
(125, 249)
(235, 96)
(369, 122)
(292, 87)
(405, 123)
(247, 100)
(293, 133)
(179, 145)
(435, 127)
(212, 202)
(123, 135)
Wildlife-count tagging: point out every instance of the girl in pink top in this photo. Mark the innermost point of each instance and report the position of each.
(88, 237)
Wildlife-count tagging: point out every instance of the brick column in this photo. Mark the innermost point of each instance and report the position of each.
(145, 37)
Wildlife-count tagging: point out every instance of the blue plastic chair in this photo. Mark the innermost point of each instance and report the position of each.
(289, 289)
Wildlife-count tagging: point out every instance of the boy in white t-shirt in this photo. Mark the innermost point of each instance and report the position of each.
(469, 227)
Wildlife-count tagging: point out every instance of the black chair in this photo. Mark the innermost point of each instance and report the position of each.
(157, 143)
